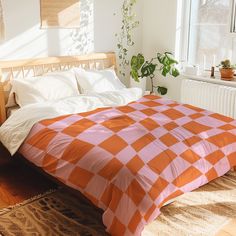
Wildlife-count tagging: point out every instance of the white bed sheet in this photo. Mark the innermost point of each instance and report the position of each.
(17, 127)
(11, 110)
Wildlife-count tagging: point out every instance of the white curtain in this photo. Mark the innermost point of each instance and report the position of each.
(2, 26)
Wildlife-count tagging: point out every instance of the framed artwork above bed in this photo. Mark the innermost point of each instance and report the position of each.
(60, 14)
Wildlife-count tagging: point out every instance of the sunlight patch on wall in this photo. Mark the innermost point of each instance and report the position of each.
(82, 39)
(24, 44)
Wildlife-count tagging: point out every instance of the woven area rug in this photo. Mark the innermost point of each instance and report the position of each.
(202, 212)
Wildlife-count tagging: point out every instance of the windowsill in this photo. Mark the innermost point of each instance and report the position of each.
(208, 79)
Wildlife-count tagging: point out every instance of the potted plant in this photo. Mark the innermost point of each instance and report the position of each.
(227, 70)
(142, 69)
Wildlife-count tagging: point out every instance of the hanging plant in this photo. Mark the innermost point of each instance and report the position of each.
(125, 39)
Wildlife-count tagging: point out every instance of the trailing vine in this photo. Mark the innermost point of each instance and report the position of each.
(125, 39)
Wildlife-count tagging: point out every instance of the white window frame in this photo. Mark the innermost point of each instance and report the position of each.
(233, 17)
(182, 42)
(182, 30)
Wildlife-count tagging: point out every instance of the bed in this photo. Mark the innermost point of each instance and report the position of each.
(127, 159)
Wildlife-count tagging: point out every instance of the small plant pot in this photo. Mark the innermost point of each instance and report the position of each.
(227, 74)
(142, 84)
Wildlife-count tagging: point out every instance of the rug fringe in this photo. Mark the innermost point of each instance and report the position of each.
(10, 208)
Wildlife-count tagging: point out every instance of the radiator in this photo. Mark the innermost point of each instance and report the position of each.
(213, 97)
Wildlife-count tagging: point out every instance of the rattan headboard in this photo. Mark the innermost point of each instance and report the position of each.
(36, 67)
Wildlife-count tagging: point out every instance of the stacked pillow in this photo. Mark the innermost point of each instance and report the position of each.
(58, 85)
(50, 87)
(98, 81)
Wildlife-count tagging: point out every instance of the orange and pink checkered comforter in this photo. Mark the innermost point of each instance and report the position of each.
(130, 160)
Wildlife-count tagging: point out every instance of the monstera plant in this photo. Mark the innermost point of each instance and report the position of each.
(141, 68)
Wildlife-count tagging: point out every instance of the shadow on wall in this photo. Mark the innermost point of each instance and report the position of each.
(25, 39)
(83, 37)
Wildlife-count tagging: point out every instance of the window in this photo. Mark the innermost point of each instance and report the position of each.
(211, 28)
(233, 17)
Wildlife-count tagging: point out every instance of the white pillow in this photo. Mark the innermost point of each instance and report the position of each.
(50, 87)
(11, 102)
(98, 80)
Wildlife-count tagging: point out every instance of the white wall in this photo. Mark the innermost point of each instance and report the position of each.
(107, 24)
(159, 35)
(159, 25)
(96, 33)
(100, 21)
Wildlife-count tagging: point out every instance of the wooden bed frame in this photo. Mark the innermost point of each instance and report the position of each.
(35, 67)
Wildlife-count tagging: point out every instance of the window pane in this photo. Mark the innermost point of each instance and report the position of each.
(210, 41)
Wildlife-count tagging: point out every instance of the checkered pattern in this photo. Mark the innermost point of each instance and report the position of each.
(130, 160)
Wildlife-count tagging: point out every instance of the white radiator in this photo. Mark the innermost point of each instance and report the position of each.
(213, 97)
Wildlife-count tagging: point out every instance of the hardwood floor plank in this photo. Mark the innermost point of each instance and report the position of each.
(229, 229)
(19, 181)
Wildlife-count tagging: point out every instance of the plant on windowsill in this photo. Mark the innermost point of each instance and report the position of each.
(227, 70)
(142, 69)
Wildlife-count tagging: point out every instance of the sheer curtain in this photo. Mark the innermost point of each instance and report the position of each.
(209, 38)
(2, 26)
(233, 18)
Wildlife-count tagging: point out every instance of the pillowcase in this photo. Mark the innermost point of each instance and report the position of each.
(98, 80)
(50, 87)
(11, 102)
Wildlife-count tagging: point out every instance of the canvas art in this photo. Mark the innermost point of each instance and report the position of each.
(60, 14)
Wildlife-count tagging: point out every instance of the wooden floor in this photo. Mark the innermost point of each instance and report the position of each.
(19, 182)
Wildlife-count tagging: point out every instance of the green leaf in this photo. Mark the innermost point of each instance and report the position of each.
(134, 75)
(160, 58)
(136, 64)
(148, 69)
(162, 90)
(172, 61)
(175, 72)
(137, 61)
(166, 70)
(168, 64)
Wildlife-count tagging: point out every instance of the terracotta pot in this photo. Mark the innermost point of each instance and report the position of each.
(227, 74)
